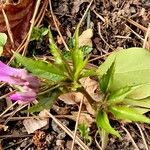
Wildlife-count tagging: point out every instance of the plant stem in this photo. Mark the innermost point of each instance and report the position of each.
(92, 102)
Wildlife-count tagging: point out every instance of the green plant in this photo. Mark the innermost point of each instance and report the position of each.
(3, 40)
(123, 80)
(84, 132)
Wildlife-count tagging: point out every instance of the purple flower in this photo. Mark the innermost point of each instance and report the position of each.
(27, 84)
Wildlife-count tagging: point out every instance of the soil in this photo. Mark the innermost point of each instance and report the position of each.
(113, 28)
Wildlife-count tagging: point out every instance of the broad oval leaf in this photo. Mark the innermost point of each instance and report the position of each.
(102, 121)
(127, 113)
(132, 67)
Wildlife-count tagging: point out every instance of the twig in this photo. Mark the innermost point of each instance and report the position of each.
(132, 140)
(77, 122)
(18, 109)
(32, 25)
(55, 23)
(87, 9)
(143, 138)
(135, 33)
(8, 29)
(68, 131)
(97, 141)
(145, 44)
(136, 24)
(8, 109)
(99, 57)
(99, 32)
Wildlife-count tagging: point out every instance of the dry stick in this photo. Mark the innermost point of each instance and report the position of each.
(129, 135)
(32, 25)
(99, 32)
(99, 57)
(41, 14)
(135, 33)
(97, 141)
(77, 122)
(18, 109)
(8, 109)
(55, 23)
(68, 131)
(136, 24)
(87, 9)
(8, 29)
(146, 37)
(143, 138)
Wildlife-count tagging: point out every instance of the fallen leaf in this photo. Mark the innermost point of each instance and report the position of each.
(85, 38)
(84, 118)
(75, 97)
(19, 16)
(31, 125)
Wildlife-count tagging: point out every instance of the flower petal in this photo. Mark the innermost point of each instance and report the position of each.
(24, 97)
(10, 71)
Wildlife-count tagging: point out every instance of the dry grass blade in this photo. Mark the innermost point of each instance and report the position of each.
(143, 138)
(8, 109)
(8, 29)
(132, 140)
(135, 33)
(32, 25)
(77, 140)
(55, 23)
(146, 43)
(136, 24)
(77, 122)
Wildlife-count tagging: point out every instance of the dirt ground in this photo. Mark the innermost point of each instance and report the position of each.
(116, 24)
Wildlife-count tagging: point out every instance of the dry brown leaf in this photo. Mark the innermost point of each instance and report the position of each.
(84, 118)
(31, 125)
(85, 38)
(19, 16)
(75, 97)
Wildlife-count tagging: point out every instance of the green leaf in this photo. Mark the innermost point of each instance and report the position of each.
(142, 92)
(141, 110)
(3, 40)
(127, 113)
(89, 72)
(38, 33)
(107, 78)
(42, 69)
(132, 67)
(78, 59)
(119, 95)
(145, 103)
(46, 101)
(102, 121)
(55, 50)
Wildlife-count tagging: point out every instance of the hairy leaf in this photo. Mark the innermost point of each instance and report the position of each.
(42, 69)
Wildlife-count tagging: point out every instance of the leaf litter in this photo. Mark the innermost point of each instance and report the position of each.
(111, 31)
